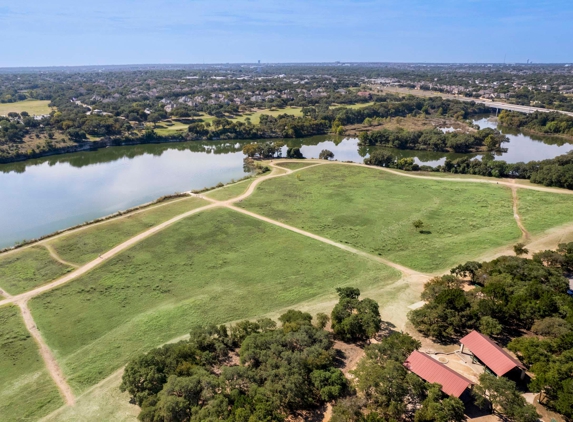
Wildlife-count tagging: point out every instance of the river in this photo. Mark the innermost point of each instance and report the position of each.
(44, 195)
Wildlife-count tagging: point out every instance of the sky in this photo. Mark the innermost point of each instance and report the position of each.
(102, 32)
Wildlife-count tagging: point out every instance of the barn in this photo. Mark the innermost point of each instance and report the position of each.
(430, 370)
(492, 356)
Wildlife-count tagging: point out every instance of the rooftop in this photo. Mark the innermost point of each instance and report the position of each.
(432, 371)
(493, 356)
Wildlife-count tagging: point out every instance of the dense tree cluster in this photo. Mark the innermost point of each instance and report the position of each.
(282, 371)
(511, 292)
(354, 319)
(550, 123)
(386, 391)
(435, 140)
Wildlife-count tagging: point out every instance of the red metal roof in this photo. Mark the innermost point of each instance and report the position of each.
(493, 356)
(431, 370)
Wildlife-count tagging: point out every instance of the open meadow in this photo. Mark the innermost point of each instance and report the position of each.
(215, 267)
(33, 107)
(373, 210)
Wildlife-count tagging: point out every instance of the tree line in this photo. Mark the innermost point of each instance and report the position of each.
(435, 140)
(552, 123)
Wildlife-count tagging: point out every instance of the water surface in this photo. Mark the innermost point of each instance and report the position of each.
(40, 196)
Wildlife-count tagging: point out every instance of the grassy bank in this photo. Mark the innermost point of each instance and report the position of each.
(85, 245)
(214, 267)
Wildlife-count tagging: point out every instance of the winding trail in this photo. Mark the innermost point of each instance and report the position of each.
(409, 275)
(51, 363)
(57, 257)
(524, 233)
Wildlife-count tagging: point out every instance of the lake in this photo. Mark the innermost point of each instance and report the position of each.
(40, 196)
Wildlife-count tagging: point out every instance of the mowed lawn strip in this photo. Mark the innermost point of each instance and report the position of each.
(26, 390)
(214, 267)
(373, 210)
(27, 268)
(540, 211)
(85, 245)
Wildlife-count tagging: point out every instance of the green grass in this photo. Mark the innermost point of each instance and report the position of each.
(230, 191)
(540, 211)
(27, 268)
(256, 116)
(31, 106)
(374, 210)
(86, 245)
(354, 106)
(295, 165)
(26, 390)
(214, 267)
(174, 129)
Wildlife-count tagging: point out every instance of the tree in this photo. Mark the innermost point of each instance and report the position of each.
(322, 320)
(294, 153)
(502, 396)
(418, 224)
(354, 319)
(326, 155)
(520, 249)
(434, 409)
(154, 118)
(490, 326)
(379, 158)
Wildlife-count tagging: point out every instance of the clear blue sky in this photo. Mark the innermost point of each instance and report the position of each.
(78, 32)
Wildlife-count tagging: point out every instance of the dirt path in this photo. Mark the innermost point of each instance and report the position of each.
(5, 294)
(87, 226)
(51, 364)
(57, 257)
(404, 270)
(524, 233)
(24, 297)
(408, 275)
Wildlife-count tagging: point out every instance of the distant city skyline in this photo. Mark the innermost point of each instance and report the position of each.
(68, 33)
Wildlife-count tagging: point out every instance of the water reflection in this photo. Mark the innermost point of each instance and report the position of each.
(40, 196)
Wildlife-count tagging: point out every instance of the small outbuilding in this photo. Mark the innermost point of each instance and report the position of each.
(489, 354)
(430, 370)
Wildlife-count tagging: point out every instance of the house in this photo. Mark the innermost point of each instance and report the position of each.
(493, 357)
(430, 370)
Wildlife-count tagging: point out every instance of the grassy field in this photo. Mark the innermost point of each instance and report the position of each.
(295, 165)
(31, 106)
(27, 268)
(374, 210)
(85, 245)
(256, 116)
(214, 267)
(26, 390)
(175, 128)
(230, 191)
(542, 210)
